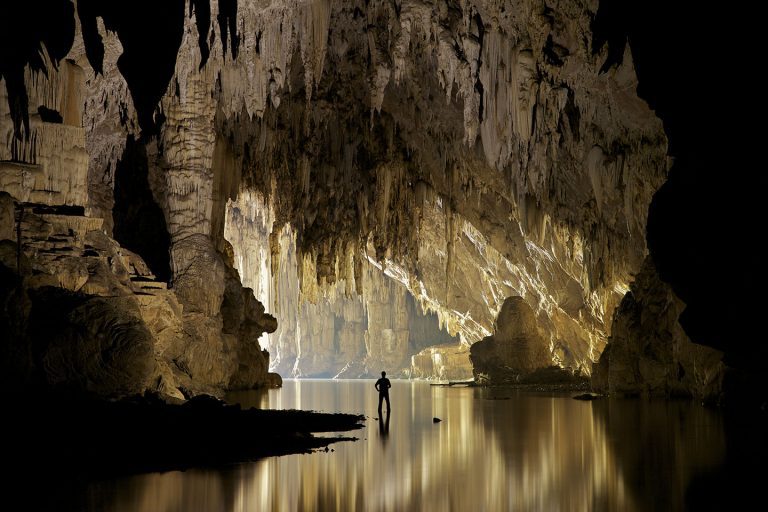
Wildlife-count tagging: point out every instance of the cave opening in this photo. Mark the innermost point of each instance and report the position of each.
(687, 236)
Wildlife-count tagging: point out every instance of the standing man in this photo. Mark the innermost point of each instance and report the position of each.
(382, 386)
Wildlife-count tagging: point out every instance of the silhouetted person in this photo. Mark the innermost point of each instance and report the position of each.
(382, 386)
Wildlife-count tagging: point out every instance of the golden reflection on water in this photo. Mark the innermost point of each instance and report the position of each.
(494, 450)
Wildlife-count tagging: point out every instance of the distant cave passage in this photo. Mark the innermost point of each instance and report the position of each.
(139, 221)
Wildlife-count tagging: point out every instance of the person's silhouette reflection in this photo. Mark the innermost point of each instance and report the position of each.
(384, 427)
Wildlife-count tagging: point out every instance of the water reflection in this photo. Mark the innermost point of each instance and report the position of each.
(492, 451)
(661, 446)
(384, 428)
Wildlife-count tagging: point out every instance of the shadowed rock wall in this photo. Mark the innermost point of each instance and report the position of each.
(649, 352)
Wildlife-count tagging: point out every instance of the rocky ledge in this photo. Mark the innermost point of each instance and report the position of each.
(143, 433)
(80, 312)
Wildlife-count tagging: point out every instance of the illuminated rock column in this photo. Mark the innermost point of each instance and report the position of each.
(209, 351)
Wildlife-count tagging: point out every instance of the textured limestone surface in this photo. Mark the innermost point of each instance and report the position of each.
(649, 352)
(73, 172)
(516, 348)
(417, 162)
(448, 362)
(71, 314)
(87, 314)
(48, 164)
(331, 331)
(552, 210)
(473, 152)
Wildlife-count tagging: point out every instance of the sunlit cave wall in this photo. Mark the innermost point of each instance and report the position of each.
(475, 153)
(333, 331)
(419, 159)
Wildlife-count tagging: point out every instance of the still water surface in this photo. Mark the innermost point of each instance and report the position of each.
(494, 450)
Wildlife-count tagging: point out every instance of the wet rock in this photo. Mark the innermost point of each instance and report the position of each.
(274, 380)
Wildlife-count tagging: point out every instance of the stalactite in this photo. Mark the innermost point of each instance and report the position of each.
(461, 153)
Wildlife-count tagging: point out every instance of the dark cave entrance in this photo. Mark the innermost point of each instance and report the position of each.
(139, 222)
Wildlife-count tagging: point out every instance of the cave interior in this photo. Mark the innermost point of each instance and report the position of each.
(204, 196)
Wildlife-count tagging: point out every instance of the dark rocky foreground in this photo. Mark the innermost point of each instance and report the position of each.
(94, 438)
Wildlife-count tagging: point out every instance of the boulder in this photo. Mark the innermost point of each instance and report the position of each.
(517, 348)
(274, 380)
(98, 345)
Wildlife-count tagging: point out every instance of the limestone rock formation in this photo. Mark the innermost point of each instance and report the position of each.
(333, 331)
(447, 362)
(693, 245)
(70, 307)
(69, 155)
(466, 183)
(85, 313)
(516, 349)
(410, 156)
(96, 344)
(648, 351)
